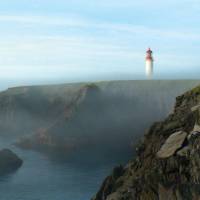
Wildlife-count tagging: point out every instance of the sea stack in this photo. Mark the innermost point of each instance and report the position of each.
(149, 63)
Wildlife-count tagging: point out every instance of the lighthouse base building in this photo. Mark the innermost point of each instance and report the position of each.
(149, 63)
(149, 69)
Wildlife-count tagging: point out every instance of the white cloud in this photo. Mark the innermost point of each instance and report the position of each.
(79, 23)
(44, 20)
(72, 52)
(113, 46)
(144, 4)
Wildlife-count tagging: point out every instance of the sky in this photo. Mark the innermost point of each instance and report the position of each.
(44, 41)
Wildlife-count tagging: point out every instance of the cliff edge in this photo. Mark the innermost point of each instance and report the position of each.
(167, 165)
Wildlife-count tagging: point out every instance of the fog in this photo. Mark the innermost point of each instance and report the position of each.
(103, 118)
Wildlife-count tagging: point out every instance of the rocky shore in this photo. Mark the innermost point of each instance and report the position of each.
(167, 165)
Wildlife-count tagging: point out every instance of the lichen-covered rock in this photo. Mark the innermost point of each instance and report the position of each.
(196, 107)
(167, 165)
(184, 151)
(172, 144)
(196, 128)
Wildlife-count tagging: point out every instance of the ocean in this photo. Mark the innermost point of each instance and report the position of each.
(49, 178)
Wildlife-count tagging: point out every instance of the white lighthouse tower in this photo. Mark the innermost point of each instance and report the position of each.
(149, 63)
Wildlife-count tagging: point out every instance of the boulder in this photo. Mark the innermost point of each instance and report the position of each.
(9, 161)
(184, 151)
(113, 196)
(194, 132)
(194, 108)
(172, 144)
(196, 128)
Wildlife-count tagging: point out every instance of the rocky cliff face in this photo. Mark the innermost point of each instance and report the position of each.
(72, 129)
(23, 110)
(167, 165)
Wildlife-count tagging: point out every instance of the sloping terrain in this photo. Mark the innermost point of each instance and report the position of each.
(167, 166)
(99, 116)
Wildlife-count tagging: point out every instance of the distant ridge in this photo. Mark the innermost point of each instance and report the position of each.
(86, 116)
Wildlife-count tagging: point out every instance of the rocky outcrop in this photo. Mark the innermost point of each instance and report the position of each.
(9, 161)
(172, 144)
(167, 165)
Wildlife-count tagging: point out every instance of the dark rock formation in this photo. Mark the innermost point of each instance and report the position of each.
(167, 166)
(9, 161)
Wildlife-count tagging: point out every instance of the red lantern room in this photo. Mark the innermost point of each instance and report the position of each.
(149, 54)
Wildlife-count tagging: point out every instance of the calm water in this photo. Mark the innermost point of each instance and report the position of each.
(43, 178)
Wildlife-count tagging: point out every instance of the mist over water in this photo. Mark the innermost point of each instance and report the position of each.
(161, 73)
(72, 138)
(42, 177)
(78, 176)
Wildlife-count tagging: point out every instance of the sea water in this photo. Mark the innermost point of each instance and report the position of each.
(44, 178)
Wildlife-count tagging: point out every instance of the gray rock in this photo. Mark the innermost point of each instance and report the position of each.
(193, 133)
(184, 151)
(172, 144)
(113, 196)
(196, 128)
(194, 108)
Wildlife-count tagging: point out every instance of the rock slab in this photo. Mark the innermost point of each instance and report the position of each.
(172, 144)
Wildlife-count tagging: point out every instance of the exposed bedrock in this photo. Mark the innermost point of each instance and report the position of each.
(167, 165)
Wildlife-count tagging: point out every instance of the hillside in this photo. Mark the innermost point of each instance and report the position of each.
(167, 163)
(89, 117)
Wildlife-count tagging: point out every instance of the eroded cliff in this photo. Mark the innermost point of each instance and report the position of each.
(167, 165)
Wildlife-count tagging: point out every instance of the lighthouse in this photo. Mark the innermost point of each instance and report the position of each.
(149, 63)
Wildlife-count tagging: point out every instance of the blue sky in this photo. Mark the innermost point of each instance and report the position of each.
(75, 40)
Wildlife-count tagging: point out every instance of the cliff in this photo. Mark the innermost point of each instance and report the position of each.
(86, 116)
(167, 165)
